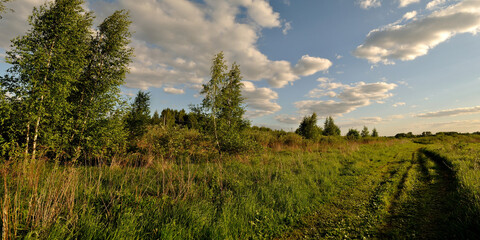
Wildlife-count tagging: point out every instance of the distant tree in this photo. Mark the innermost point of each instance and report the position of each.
(139, 116)
(156, 120)
(330, 129)
(308, 127)
(374, 132)
(353, 134)
(167, 117)
(365, 132)
(425, 134)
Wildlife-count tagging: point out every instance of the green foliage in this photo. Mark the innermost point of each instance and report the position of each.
(308, 127)
(65, 82)
(330, 129)
(365, 133)
(156, 120)
(224, 103)
(374, 133)
(353, 134)
(139, 116)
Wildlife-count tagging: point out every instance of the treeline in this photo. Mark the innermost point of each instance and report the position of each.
(310, 130)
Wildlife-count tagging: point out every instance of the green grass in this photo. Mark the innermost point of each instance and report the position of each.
(347, 190)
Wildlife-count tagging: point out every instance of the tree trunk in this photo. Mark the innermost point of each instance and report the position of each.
(27, 141)
(35, 136)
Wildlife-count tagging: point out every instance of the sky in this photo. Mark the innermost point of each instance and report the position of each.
(396, 65)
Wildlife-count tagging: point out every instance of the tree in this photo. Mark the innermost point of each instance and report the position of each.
(330, 129)
(308, 127)
(46, 63)
(353, 134)
(231, 108)
(97, 104)
(212, 90)
(156, 120)
(139, 116)
(224, 103)
(365, 133)
(374, 132)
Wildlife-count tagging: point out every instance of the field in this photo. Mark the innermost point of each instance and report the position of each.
(428, 188)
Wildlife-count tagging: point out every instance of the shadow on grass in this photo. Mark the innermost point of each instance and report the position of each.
(431, 208)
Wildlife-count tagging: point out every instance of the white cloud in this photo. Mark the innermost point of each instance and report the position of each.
(325, 79)
(175, 41)
(318, 93)
(15, 23)
(363, 91)
(404, 3)
(457, 126)
(260, 101)
(450, 112)
(172, 90)
(328, 108)
(416, 38)
(434, 4)
(367, 121)
(288, 119)
(307, 65)
(398, 104)
(366, 4)
(287, 27)
(350, 97)
(409, 15)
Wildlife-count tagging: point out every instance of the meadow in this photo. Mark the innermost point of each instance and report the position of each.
(290, 188)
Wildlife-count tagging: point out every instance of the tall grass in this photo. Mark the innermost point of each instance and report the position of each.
(244, 196)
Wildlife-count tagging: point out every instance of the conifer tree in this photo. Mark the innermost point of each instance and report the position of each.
(365, 133)
(139, 115)
(374, 132)
(330, 129)
(308, 127)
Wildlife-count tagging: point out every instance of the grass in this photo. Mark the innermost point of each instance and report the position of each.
(348, 190)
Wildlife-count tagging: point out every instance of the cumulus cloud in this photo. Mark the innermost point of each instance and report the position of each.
(15, 23)
(172, 90)
(409, 15)
(404, 3)
(348, 97)
(450, 112)
(416, 38)
(398, 104)
(260, 101)
(366, 4)
(175, 41)
(288, 119)
(434, 4)
(307, 65)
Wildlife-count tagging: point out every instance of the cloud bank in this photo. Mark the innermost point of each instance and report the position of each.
(450, 112)
(348, 97)
(414, 39)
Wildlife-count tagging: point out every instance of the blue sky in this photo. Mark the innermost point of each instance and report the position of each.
(398, 66)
